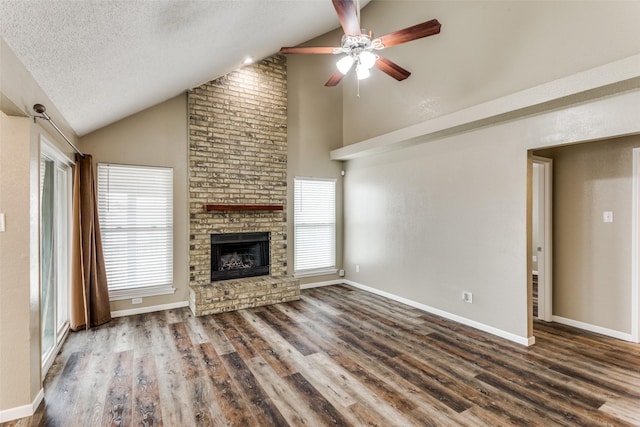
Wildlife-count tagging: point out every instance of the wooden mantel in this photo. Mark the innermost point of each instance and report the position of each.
(232, 207)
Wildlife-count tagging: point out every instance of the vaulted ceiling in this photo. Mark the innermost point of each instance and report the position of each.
(103, 60)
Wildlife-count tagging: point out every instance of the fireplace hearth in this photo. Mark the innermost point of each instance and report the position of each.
(238, 255)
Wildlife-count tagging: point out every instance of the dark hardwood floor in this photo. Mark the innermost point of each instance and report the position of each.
(339, 357)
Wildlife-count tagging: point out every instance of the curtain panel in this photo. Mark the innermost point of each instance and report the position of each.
(89, 291)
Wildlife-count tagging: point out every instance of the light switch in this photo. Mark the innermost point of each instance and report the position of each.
(607, 216)
(1, 223)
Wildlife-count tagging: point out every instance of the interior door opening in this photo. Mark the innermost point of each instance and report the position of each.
(541, 239)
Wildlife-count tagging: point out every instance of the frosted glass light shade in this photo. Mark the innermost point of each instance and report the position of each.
(345, 64)
(367, 59)
(362, 72)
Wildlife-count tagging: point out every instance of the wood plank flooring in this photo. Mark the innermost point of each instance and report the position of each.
(337, 357)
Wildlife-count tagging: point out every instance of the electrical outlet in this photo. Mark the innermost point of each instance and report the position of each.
(357, 268)
(341, 273)
(467, 297)
(136, 300)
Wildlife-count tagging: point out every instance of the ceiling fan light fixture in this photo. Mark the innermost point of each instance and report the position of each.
(362, 72)
(345, 64)
(368, 59)
(359, 47)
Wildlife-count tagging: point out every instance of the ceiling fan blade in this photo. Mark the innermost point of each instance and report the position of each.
(408, 34)
(348, 17)
(335, 78)
(310, 49)
(392, 69)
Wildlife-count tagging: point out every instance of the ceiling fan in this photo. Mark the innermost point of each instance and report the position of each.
(358, 45)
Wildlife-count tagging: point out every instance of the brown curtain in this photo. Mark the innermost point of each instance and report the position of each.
(89, 292)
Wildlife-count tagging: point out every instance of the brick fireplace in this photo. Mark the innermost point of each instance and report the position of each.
(238, 182)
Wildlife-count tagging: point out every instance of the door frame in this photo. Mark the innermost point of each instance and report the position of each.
(545, 262)
(635, 248)
(49, 150)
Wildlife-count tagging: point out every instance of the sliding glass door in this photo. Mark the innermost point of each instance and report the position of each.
(55, 214)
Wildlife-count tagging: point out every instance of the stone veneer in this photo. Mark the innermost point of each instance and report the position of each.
(238, 156)
(229, 295)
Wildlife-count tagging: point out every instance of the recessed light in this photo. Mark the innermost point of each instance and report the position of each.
(248, 60)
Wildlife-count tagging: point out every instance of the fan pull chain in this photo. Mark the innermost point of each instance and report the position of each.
(360, 26)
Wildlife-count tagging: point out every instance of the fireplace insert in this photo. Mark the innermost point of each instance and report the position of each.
(236, 255)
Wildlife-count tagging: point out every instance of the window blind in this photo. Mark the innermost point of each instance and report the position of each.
(315, 224)
(135, 206)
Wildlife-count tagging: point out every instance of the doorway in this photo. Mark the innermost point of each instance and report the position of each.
(635, 253)
(541, 239)
(55, 255)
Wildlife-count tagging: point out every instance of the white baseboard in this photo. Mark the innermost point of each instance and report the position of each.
(325, 283)
(593, 328)
(527, 341)
(23, 411)
(150, 309)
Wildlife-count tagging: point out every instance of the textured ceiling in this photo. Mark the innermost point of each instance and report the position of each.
(102, 60)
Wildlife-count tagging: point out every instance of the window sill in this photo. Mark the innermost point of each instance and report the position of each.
(147, 291)
(312, 273)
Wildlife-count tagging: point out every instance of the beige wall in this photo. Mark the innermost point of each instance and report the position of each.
(429, 221)
(19, 92)
(154, 137)
(314, 129)
(20, 138)
(486, 49)
(16, 337)
(592, 259)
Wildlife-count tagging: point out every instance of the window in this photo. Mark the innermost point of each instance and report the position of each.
(315, 226)
(135, 205)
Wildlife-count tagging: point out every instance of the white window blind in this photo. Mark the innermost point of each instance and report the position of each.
(315, 225)
(135, 205)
